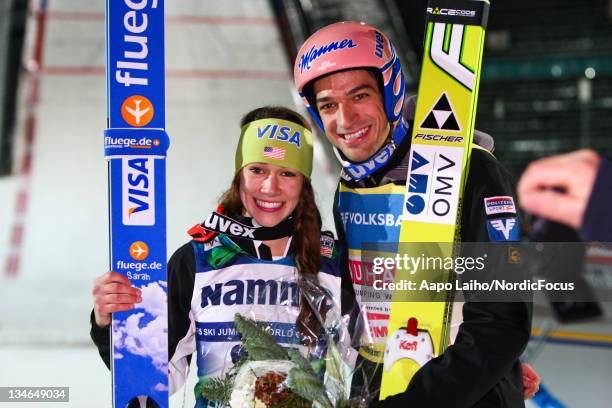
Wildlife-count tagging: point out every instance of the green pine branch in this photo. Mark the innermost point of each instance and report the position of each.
(216, 389)
(259, 344)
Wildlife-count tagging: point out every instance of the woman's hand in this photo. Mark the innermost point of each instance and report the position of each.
(531, 381)
(112, 293)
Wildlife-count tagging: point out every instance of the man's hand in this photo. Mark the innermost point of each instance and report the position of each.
(558, 188)
(112, 293)
(531, 381)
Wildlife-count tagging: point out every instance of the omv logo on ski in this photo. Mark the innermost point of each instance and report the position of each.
(138, 191)
(415, 204)
(433, 184)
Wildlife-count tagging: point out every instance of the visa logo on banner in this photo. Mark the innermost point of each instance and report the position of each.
(138, 191)
(433, 185)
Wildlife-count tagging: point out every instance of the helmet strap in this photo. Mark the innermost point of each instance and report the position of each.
(357, 171)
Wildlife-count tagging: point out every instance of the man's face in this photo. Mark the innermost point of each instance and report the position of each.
(351, 108)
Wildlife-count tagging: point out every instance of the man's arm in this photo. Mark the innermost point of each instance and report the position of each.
(482, 367)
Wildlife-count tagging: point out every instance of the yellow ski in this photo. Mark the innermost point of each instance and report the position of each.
(439, 160)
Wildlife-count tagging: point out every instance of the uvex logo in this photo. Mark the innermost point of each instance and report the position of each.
(138, 191)
(379, 45)
(224, 225)
(358, 171)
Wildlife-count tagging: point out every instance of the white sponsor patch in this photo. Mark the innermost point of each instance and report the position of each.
(499, 205)
(433, 184)
(138, 190)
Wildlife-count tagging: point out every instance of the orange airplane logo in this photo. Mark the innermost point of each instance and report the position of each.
(137, 111)
(139, 250)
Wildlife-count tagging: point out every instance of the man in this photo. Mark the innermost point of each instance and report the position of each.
(573, 189)
(351, 82)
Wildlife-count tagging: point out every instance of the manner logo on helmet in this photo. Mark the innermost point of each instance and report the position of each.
(308, 58)
(441, 116)
(138, 191)
(137, 111)
(139, 250)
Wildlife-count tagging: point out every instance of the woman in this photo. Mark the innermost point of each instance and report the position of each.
(248, 257)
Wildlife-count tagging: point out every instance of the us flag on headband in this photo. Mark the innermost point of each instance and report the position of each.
(277, 153)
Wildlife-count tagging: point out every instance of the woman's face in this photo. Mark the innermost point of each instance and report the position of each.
(269, 193)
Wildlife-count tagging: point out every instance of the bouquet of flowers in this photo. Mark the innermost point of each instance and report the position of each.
(269, 375)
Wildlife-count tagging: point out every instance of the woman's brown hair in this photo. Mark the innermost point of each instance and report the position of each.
(306, 227)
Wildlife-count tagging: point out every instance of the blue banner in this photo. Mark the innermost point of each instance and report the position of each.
(135, 145)
(135, 63)
(370, 217)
